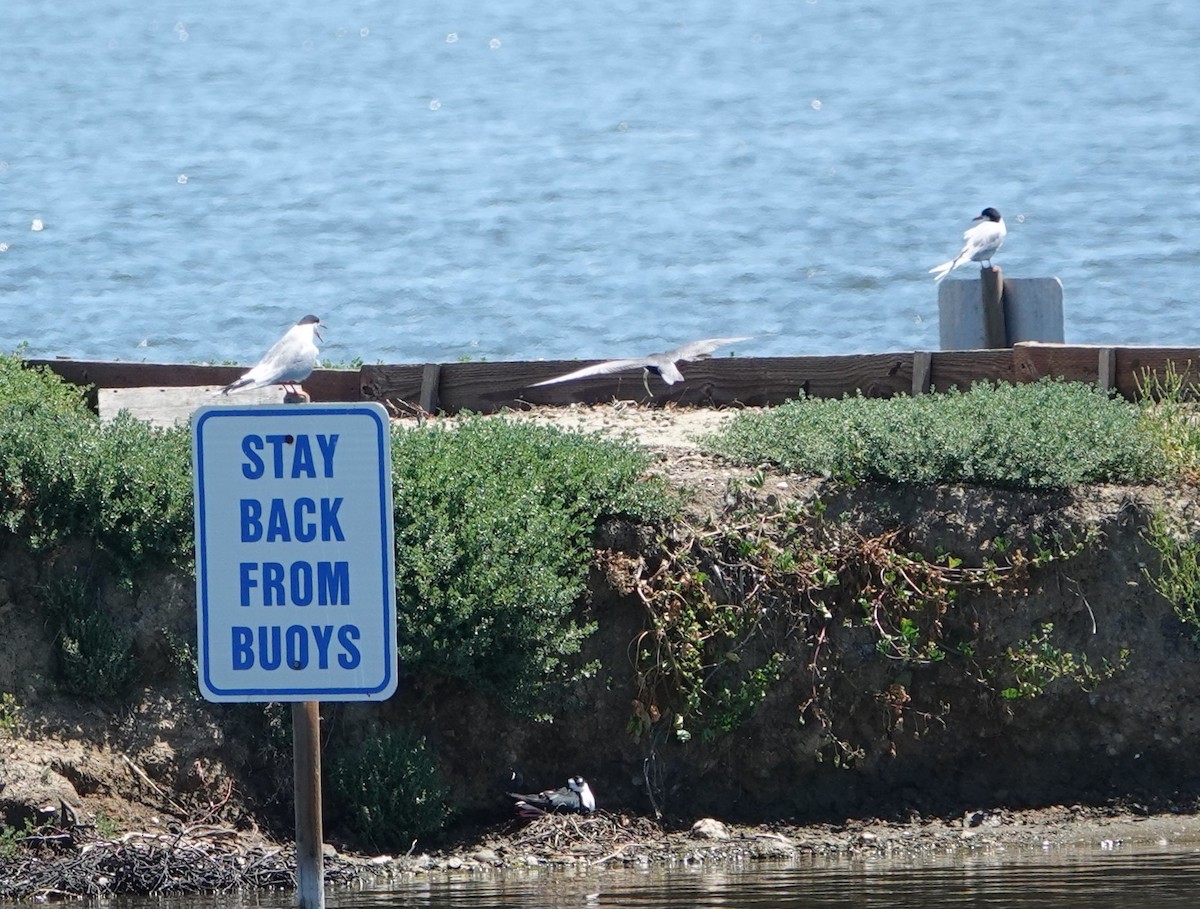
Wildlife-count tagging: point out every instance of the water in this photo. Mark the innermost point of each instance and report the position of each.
(521, 179)
(1084, 878)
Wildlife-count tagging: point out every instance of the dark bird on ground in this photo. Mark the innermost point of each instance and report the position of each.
(288, 363)
(980, 243)
(662, 364)
(575, 796)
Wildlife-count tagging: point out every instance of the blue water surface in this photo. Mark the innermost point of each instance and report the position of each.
(525, 180)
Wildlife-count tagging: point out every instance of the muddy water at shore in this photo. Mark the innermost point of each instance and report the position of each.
(1096, 876)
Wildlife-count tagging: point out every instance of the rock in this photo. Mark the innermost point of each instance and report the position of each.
(486, 856)
(708, 828)
(767, 846)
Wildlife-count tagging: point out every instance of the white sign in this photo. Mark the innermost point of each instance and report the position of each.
(295, 589)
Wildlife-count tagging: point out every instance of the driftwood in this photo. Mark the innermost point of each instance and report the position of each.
(199, 859)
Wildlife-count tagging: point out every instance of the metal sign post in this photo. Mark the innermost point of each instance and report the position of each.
(295, 588)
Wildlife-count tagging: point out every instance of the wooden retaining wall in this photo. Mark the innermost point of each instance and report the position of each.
(486, 387)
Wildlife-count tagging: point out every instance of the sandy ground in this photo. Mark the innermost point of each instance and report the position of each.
(658, 427)
(655, 427)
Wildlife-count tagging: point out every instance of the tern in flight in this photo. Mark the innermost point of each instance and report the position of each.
(662, 364)
(288, 363)
(980, 243)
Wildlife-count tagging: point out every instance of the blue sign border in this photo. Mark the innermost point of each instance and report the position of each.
(382, 428)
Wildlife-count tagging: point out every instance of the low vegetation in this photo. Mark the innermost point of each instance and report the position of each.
(63, 475)
(495, 524)
(387, 791)
(493, 530)
(1043, 435)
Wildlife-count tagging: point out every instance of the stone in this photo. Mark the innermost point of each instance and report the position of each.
(708, 828)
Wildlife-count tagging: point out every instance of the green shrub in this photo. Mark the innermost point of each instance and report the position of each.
(10, 712)
(1178, 576)
(63, 473)
(1042, 435)
(95, 656)
(1171, 416)
(388, 791)
(494, 521)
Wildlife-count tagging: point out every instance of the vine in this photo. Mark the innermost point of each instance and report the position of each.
(732, 606)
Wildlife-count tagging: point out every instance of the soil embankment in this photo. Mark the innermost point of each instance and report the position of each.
(879, 736)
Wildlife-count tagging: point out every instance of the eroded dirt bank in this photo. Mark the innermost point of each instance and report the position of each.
(849, 729)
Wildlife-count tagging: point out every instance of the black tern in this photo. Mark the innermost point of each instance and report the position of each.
(662, 364)
(575, 796)
(289, 362)
(981, 243)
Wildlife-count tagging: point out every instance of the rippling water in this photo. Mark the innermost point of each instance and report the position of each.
(528, 179)
(1084, 878)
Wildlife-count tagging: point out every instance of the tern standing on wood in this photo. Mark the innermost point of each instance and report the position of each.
(981, 243)
(288, 363)
(662, 364)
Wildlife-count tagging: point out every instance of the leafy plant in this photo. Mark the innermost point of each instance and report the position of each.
(1037, 661)
(388, 790)
(768, 590)
(1170, 415)
(494, 522)
(11, 839)
(95, 656)
(1178, 576)
(10, 712)
(106, 827)
(1042, 435)
(125, 485)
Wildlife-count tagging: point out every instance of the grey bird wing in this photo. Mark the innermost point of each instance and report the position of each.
(288, 360)
(599, 369)
(665, 361)
(696, 350)
(975, 241)
(549, 799)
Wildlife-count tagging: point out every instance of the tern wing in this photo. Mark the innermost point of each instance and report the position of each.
(983, 240)
(696, 350)
(599, 369)
(288, 360)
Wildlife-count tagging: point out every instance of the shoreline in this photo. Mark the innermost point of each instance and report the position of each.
(211, 859)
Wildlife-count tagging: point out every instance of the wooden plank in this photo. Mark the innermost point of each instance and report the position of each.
(486, 387)
(397, 387)
(995, 334)
(174, 406)
(961, 324)
(718, 382)
(723, 381)
(1033, 361)
(430, 380)
(963, 368)
(1033, 311)
(1106, 368)
(323, 385)
(921, 369)
(1133, 363)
